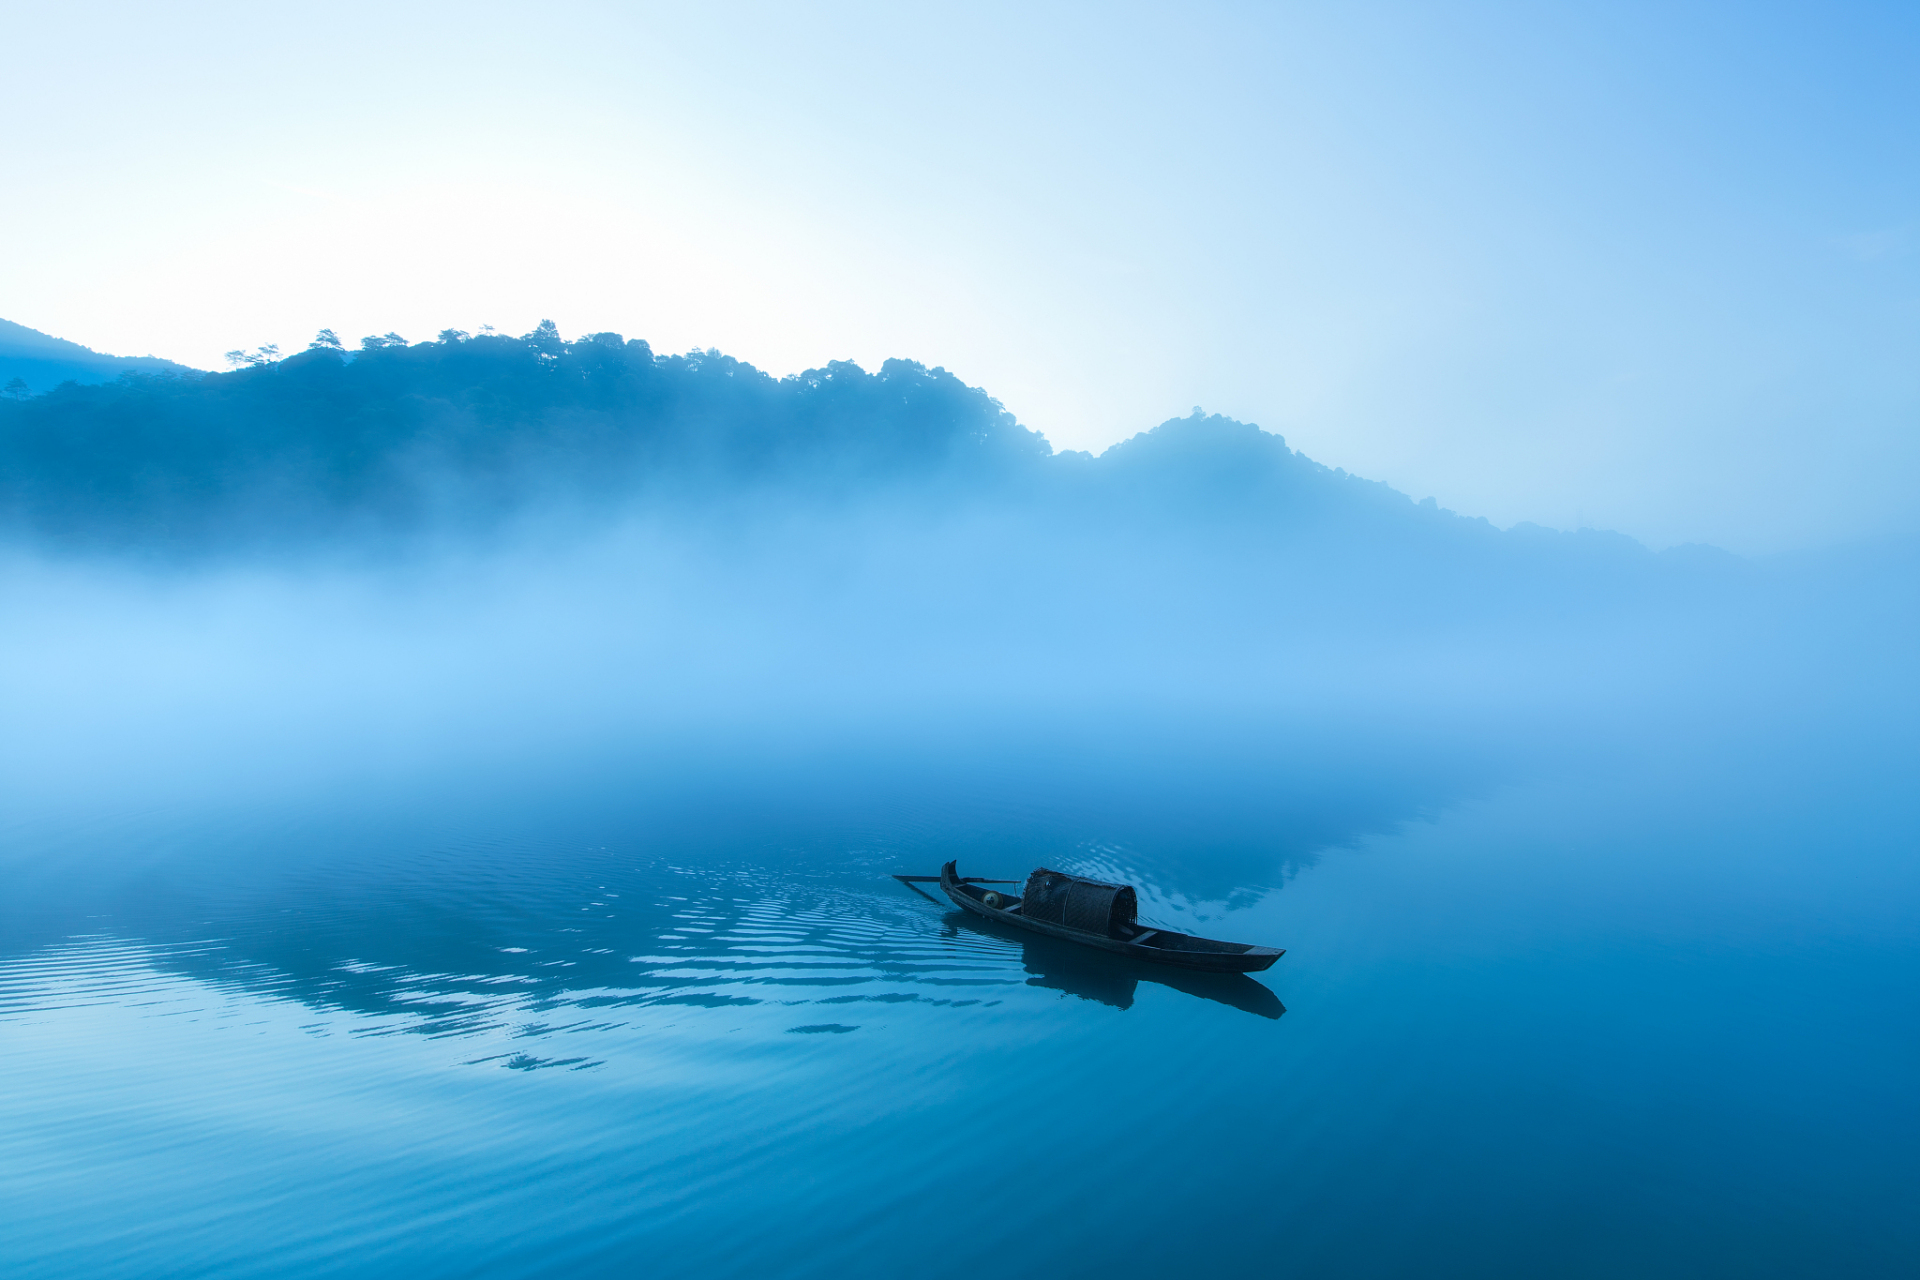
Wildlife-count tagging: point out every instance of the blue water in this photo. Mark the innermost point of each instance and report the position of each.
(1652, 1016)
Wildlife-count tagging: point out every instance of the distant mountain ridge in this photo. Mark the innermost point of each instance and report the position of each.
(465, 433)
(465, 430)
(43, 362)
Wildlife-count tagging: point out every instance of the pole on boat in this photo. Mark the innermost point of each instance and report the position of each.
(914, 883)
(963, 880)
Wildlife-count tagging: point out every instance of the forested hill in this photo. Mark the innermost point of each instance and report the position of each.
(32, 362)
(465, 428)
(465, 432)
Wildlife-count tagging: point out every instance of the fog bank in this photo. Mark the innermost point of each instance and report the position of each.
(494, 568)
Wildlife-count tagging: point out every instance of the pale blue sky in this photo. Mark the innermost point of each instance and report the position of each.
(1646, 267)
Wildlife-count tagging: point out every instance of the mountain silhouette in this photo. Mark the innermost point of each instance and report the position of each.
(469, 433)
(33, 363)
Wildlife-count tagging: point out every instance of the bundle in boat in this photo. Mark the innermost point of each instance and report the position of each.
(1092, 906)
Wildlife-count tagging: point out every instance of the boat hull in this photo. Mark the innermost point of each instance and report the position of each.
(1229, 958)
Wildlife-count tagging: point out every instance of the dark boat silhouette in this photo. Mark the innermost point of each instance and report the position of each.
(1111, 980)
(1095, 914)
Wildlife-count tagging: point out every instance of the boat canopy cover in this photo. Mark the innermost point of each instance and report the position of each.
(1088, 905)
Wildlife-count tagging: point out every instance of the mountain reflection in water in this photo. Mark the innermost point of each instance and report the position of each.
(555, 917)
(557, 954)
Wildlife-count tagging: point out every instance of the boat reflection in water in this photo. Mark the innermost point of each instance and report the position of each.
(1106, 979)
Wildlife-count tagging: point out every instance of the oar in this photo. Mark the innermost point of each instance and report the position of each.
(911, 881)
(962, 880)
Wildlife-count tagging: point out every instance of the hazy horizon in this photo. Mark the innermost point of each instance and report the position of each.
(105, 366)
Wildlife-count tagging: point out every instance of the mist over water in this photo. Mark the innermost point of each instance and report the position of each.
(483, 869)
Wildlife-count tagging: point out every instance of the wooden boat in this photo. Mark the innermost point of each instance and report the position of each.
(1097, 915)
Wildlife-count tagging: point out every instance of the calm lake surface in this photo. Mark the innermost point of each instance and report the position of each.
(1655, 1016)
